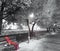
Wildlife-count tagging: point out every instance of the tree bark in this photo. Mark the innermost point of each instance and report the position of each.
(0, 25)
(1, 15)
(28, 31)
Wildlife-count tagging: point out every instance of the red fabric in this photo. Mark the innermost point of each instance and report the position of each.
(8, 40)
(11, 43)
(15, 45)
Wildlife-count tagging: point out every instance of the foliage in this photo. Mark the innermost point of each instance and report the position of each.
(11, 7)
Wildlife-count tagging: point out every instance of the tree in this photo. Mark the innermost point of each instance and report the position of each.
(9, 8)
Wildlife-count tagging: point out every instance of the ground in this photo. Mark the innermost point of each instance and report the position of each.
(47, 43)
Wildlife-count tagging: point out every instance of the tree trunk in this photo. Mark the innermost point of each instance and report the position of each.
(0, 25)
(32, 31)
(1, 15)
(28, 30)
